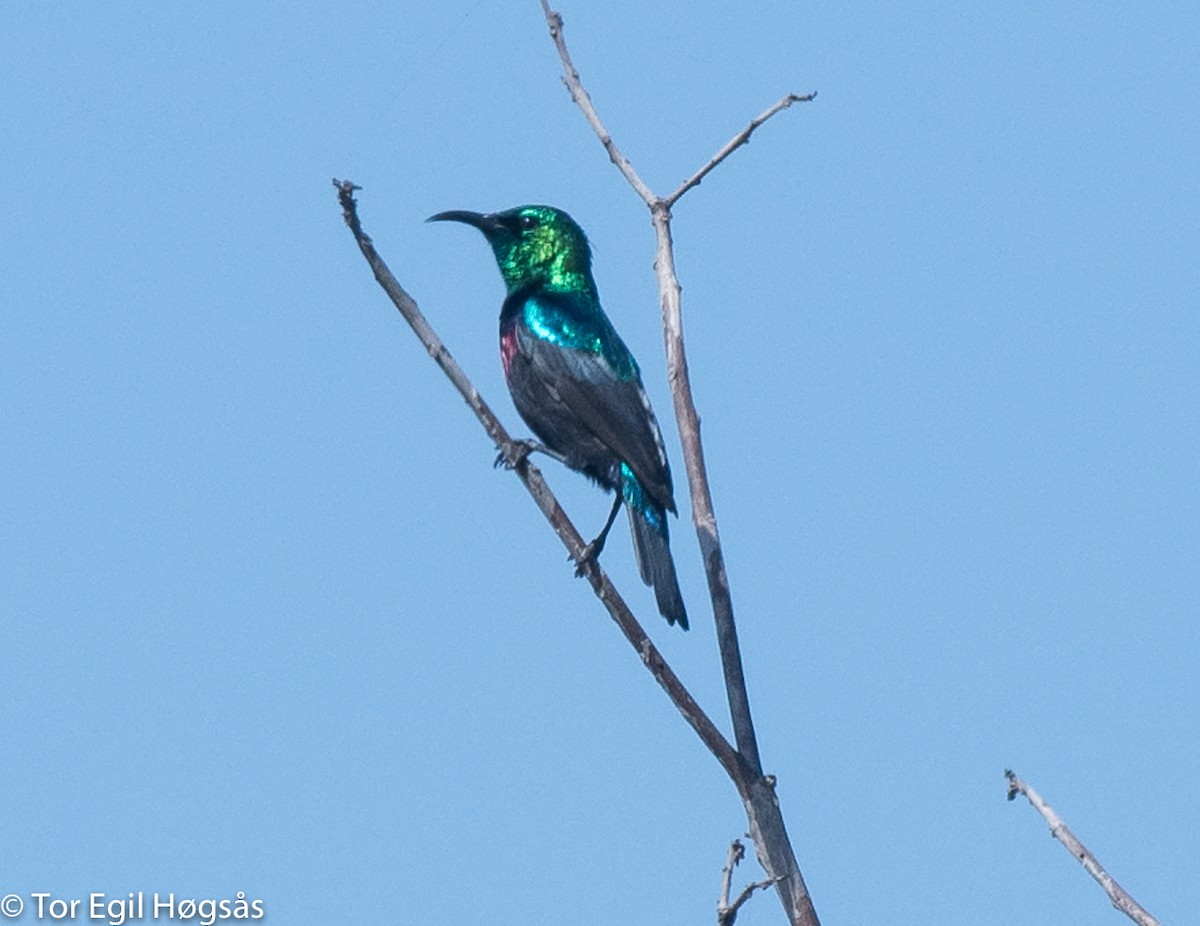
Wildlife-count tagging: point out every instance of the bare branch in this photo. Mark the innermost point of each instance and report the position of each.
(1117, 894)
(767, 829)
(584, 101)
(727, 912)
(737, 852)
(741, 138)
(703, 516)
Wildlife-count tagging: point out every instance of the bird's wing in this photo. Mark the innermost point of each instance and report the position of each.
(612, 403)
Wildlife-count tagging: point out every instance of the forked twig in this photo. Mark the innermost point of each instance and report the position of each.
(757, 790)
(727, 912)
(1118, 895)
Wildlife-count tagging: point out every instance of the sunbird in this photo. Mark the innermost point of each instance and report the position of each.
(575, 382)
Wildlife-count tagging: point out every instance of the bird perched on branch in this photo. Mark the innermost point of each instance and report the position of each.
(575, 382)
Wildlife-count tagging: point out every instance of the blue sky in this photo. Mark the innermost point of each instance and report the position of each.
(272, 623)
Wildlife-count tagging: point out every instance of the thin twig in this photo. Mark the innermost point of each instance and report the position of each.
(741, 138)
(767, 829)
(727, 912)
(517, 460)
(737, 852)
(703, 516)
(1118, 895)
(584, 101)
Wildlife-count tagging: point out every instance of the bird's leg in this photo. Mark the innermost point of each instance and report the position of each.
(524, 448)
(592, 551)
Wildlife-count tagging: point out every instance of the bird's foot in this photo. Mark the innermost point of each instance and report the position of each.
(591, 553)
(522, 449)
(589, 557)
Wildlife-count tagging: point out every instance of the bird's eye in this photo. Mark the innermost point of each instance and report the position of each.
(529, 222)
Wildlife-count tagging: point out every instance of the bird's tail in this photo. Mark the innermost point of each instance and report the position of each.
(651, 544)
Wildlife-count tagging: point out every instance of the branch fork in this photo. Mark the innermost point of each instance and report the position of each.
(727, 912)
(767, 829)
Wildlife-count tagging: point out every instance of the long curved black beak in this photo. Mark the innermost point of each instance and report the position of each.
(488, 224)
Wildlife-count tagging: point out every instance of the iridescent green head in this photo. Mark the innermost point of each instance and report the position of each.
(534, 245)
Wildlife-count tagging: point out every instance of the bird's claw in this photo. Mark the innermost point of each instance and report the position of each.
(523, 449)
(589, 556)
